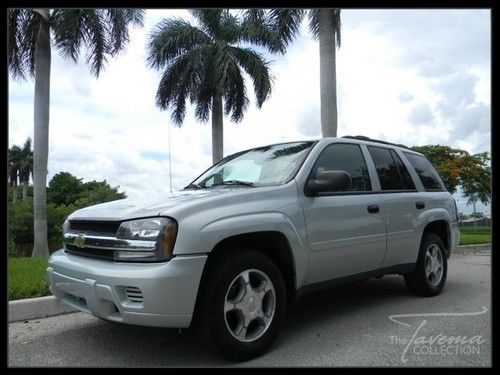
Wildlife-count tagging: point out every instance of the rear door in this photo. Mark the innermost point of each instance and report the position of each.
(346, 230)
(401, 203)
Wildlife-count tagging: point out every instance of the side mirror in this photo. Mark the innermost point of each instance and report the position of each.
(329, 181)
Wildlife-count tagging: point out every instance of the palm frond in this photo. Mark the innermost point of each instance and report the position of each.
(118, 21)
(258, 69)
(134, 16)
(179, 107)
(117, 29)
(220, 57)
(255, 14)
(235, 96)
(203, 107)
(103, 32)
(172, 38)
(15, 51)
(230, 28)
(23, 29)
(314, 22)
(178, 80)
(96, 39)
(286, 23)
(209, 20)
(69, 31)
(257, 29)
(205, 88)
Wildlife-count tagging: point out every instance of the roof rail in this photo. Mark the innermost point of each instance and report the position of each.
(363, 138)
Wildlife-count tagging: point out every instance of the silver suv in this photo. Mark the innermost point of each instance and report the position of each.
(232, 250)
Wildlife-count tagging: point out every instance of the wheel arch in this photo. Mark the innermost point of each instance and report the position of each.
(442, 229)
(272, 243)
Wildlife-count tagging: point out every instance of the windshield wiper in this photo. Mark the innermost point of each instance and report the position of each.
(235, 182)
(193, 186)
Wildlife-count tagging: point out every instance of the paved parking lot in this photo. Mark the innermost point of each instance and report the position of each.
(362, 324)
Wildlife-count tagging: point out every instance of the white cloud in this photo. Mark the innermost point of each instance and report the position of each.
(405, 97)
(420, 114)
(389, 62)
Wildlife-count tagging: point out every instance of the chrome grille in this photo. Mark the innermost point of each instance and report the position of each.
(102, 247)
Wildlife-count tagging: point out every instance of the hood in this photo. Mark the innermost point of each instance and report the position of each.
(130, 208)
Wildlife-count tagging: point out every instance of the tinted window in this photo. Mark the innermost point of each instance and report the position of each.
(403, 171)
(428, 175)
(344, 157)
(387, 171)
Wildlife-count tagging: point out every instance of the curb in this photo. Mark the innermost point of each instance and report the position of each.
(474, 248)
(36, 308)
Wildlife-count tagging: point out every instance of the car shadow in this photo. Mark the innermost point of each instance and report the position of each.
(148, 346)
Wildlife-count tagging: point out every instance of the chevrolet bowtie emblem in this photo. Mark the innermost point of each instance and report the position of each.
(79, 241)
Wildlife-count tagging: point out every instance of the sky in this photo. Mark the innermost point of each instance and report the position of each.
(406, 76)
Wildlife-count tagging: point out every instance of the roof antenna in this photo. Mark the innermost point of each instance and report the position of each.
(169, 159)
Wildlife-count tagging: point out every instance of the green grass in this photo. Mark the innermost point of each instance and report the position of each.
(27, 278)
(471, 236)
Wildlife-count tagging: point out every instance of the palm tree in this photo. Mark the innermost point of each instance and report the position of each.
(103, 31)
(204, 64)
(26, 166)
(14, 162)
(324, 25)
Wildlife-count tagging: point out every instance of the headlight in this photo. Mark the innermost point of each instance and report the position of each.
(144, 229)
(160, 230)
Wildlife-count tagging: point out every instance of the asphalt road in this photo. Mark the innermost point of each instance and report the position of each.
(346, 326)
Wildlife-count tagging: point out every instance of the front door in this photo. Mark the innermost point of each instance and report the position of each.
(346, 230)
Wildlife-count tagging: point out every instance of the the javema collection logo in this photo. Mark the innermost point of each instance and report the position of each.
(436, 344)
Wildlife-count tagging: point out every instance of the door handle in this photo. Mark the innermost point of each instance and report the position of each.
(420, 205)
(373, 208)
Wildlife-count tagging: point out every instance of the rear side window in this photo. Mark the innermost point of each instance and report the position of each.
(346, 157)
(387, 170)
(426, 172)
(403, 171)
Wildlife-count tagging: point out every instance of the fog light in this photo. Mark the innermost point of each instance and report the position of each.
(135, 255)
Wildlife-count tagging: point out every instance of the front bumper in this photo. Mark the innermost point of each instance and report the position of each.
(146, 294)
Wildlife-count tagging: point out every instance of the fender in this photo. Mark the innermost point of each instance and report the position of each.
(212, 233)
(428, 216)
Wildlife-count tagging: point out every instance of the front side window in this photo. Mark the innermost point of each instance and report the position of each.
(344, 157)
(269, 165)
(425, 171)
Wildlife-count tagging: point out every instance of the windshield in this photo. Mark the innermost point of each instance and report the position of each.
(269, 165)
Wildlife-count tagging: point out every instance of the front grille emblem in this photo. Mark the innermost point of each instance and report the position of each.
(79, 241)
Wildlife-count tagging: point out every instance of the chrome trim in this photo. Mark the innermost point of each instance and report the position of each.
(107, 243)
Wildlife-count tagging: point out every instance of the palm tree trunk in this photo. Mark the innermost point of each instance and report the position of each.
(14, 193)
(25, 190)
(41, 136)
(217, 129)
(327, 75)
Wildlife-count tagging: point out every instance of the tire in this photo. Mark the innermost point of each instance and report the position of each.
(225, 281)
(421, 281)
